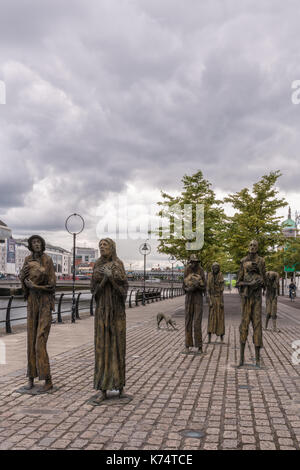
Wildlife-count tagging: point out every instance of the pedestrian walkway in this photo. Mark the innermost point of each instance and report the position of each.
(172, 393)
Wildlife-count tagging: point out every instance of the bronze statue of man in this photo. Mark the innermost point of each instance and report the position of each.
(38, 281)
(109, 285)
(194, 285)
(251, 280)
(272, 288)
(215, 288)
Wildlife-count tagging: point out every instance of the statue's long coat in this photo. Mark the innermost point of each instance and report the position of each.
(194, 308)
(39, 315)
(215, 288)
(110, 326)
(252, 302)
(272, 287)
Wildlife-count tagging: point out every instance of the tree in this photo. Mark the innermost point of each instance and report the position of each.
(173, 239)
(288, 256)
(256, 218)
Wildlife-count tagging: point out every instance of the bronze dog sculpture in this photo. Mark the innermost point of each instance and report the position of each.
(169, 321)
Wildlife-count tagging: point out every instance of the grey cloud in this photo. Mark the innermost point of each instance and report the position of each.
(102, 92)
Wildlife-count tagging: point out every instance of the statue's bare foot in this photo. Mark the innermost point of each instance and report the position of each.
(30, 385)
(47, 386)
(102, 397)
(187, 350)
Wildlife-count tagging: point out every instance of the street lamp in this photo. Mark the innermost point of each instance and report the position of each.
(74, 225)
(172, 260)
(145, 249)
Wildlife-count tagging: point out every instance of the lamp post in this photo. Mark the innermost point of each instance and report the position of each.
(297, 220)
(172, 260)
(145, 249)
(74, 225)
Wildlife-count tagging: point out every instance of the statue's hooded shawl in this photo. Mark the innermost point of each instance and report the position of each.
(215, 287)
(110, 322)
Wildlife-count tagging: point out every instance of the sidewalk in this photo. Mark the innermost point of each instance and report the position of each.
(172, 392)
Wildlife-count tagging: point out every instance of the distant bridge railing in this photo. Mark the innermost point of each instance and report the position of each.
(63, 303)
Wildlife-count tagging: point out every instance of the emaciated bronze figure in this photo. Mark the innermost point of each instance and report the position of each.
(195, 286)
(251, 280)
(215, 288)
(272, 288)
(109, 285)
(38, 282)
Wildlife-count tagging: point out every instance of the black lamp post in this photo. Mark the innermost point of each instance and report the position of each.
(145, 249)
(74, 225)
(172, 260)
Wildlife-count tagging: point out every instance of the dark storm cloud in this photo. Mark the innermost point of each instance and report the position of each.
(102, 92)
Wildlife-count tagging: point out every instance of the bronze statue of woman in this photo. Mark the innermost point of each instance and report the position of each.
(215, 288)
(109, 285)
(38, 281)
(271, 288)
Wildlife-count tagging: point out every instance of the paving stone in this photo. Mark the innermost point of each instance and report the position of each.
(171, 392)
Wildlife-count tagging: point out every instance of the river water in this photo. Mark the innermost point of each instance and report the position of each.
(18, 313)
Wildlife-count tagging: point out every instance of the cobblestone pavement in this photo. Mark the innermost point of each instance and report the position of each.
(172, 392)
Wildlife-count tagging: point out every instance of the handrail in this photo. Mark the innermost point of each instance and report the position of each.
(141, 297)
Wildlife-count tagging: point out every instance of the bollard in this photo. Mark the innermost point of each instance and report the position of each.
(8, 324)
(129, 300)
(59, 319)
(137, 298)
(92, 306)
(77, 306)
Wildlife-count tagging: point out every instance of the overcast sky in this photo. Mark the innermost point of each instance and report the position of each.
(123, 97)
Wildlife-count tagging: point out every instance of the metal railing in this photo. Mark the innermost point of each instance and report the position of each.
(135, 297)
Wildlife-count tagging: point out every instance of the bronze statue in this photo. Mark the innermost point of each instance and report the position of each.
(38, 281)
(215, 288)
(251, 280)
(195, 286)
(109, 285)
(272, 288)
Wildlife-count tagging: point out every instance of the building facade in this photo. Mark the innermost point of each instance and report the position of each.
(289, 226)
(85, 255)
(14, 251)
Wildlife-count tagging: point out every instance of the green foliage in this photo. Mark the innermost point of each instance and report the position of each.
(256, 218)
(226, 239)
(196, 190)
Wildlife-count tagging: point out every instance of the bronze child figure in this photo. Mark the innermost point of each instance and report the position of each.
(215, 288)
(251, 280)
(109, 285)
(38, 281)
(195, 286)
